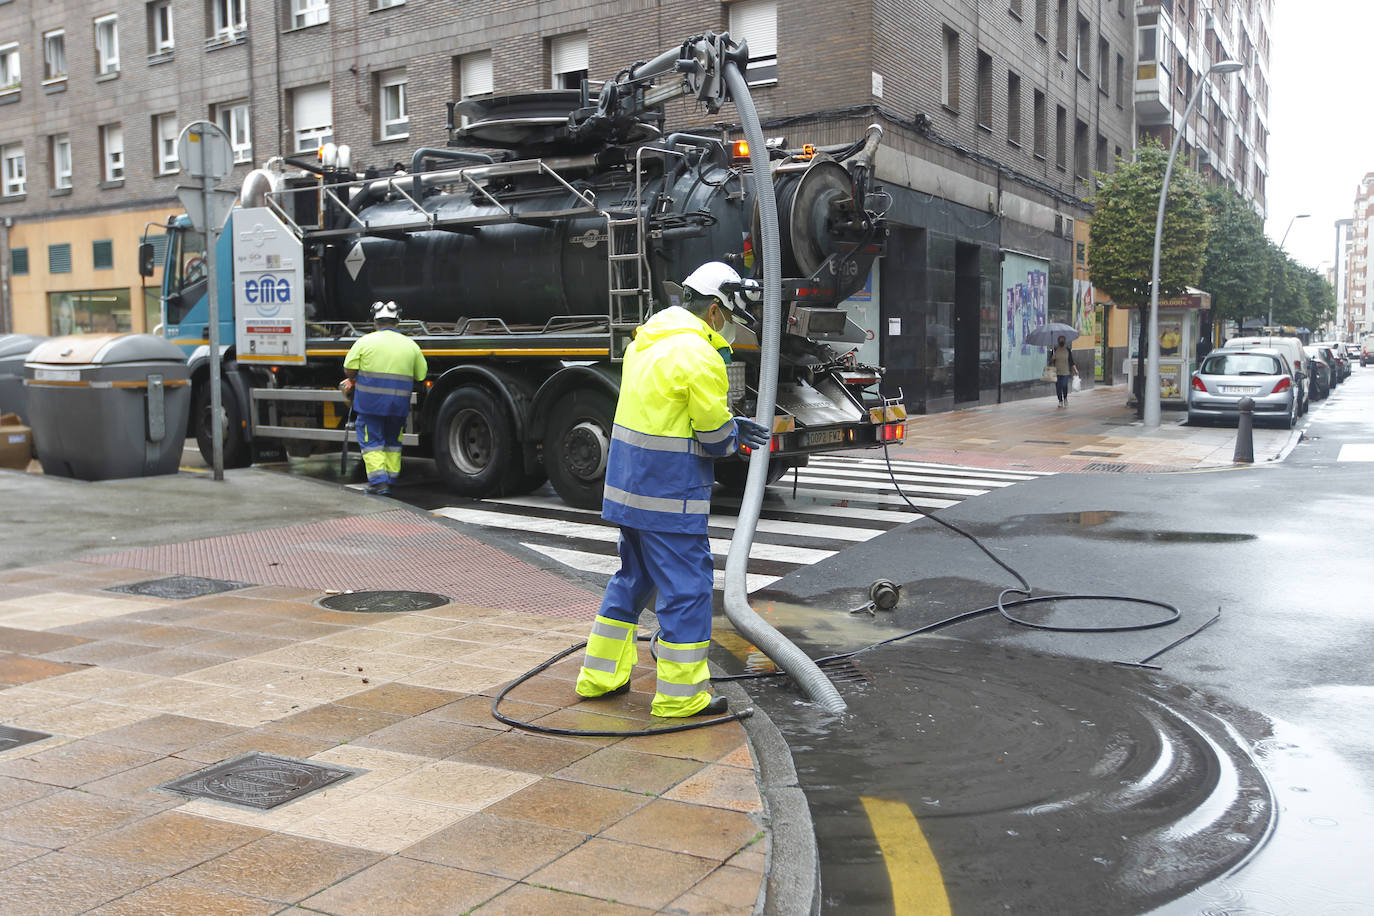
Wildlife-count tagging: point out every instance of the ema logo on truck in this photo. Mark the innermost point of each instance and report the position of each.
(268, 293)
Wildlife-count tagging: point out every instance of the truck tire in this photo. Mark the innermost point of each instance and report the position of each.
(474, 445)
(237, 454)
(576, 445)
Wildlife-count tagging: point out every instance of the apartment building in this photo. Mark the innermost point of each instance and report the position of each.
(1340, 278)
(1359, 310)
(997, 114)
(1226, 138)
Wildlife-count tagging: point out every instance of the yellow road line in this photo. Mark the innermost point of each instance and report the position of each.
(917, 888)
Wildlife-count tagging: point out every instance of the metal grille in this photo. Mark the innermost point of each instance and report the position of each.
(102, 254)
(14, 737)
(258, 781)
(177, 587)
(1102, 466)
(60, 258)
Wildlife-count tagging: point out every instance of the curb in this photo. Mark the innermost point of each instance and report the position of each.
(792, 875)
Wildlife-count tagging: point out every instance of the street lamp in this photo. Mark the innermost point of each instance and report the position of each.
(1151, 394)
(1295, 218)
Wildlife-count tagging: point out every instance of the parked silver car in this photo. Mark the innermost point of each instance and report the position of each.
(1229, 374)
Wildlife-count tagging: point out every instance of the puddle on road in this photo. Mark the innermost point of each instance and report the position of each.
(1104, 525)
(1042, 784)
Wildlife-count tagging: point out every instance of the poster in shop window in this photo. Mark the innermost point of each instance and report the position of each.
(1025, 307)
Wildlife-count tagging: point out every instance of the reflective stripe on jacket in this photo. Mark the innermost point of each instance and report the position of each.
(388, 364)
(671, 419)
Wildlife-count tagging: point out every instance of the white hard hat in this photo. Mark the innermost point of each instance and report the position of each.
(720, 280)
(388, 309)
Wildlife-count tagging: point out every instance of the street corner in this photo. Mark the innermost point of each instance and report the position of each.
(175, 741)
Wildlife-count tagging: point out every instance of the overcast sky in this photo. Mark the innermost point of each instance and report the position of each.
(1321, 140)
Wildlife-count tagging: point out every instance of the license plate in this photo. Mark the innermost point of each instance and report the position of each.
(823, 437)
(1238, 389)
(57, 375)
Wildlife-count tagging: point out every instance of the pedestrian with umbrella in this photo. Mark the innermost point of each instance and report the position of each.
(1061, 357)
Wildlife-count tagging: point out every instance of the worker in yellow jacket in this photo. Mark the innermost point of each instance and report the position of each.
(382, 369)
(673, 418)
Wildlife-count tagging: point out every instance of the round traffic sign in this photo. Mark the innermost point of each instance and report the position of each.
(204, 152)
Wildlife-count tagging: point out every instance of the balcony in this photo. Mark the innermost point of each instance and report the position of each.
(1153, 99)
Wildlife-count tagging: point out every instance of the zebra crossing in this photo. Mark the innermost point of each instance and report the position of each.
(834, 503)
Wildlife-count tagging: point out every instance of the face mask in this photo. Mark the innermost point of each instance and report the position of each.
(728, 331)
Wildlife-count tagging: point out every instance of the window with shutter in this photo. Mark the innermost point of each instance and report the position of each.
(102, 254)
(312, 117)
(755, 22)
(19, 261)
(568, 55)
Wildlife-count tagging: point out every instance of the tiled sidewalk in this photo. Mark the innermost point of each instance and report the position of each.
(452, 811)
(1096, 432)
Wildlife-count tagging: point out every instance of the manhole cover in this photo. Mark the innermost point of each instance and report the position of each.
(257, 780)
(178, 587)
(14, 737)
(383, 602)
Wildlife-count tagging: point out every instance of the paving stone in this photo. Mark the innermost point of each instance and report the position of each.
(720, 787)
(458, 785)
(476, 710)
(528, 753)
(642, 877)
(183, 898)
(100, 652)
(401, 699)
(139, 784)
(167, 663)
(568, 805)
(335, 723)
(15, 791)
(166, 734)
(76, 763)
(527, 900)
(496, 846)
(617, 767)
(705, 744)
(59, 884)
(264, 740)
(282, 868)
(383, 823)
(168, 843)
(428, 738)
(66, 817)
(22, 669)
(696, 830)
(14, 853)
(410, 888)
(36, 642)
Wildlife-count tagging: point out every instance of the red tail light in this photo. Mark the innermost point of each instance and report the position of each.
(1284, 384)
(1198, 386)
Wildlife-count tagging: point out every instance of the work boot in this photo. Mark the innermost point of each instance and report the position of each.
(617, 692)
(718, 706)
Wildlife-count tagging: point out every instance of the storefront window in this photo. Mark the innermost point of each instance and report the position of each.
(152, 309)
(92, 311)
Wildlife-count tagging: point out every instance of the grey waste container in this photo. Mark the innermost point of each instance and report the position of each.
(13, 349)
(108, 405)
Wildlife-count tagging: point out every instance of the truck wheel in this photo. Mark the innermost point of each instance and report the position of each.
(576, 446)
(732, 475)
(236, 451)
(474, 444)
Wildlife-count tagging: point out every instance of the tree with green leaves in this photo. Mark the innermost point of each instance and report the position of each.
(1121, 245)
(1234, 271)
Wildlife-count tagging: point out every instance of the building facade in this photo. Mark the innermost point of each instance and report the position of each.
(997, 114)
(1359, 313)
(1226, 138)
(1340, 278)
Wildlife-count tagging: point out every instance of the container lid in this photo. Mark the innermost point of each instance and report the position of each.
(18, 344)
(106, 349)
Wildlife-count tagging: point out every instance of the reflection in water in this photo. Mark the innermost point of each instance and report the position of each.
(1042, 784)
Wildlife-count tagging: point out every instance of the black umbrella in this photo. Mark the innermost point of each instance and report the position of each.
(1047, 335)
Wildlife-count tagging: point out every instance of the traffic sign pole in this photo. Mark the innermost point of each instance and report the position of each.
(204, 151)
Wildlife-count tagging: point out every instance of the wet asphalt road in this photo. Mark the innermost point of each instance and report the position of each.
(1237, 777)
(1047, 779)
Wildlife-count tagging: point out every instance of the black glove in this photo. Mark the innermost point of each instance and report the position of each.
(752, 435)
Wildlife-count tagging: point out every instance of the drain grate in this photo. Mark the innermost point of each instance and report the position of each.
(258, 781)
(178, 587)
(1103, 466)
(11, 737)
(383, 602)
(846, 671)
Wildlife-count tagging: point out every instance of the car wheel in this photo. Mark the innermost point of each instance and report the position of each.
(234, 448)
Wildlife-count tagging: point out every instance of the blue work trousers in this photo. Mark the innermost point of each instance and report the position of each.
(679, 566)
(379, 439)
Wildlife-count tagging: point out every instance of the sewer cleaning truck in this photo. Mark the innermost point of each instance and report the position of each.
(523, 255)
